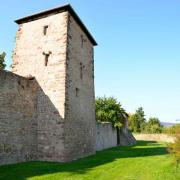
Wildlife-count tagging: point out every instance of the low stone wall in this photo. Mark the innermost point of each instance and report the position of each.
(126, 137)
(23, 135)
(18, 126)
(154, 137)
(106, 136)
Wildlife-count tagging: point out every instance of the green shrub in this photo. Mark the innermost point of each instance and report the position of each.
(108, 109)
(174, 148)
(2, 61)
(152, 126)
(171, 130)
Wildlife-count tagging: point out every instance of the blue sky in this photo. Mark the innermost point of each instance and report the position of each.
(137, 59)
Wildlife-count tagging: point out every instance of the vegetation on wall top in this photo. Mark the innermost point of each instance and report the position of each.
(2, 61)
(108, 109)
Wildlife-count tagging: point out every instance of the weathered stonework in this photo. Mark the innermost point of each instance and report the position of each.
(65, 99)
(47, 105)
(28, 59)
(80, 130)
(18, 118)
(155, 137)
(106, 136)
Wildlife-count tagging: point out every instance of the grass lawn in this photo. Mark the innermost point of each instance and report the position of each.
(147, 160)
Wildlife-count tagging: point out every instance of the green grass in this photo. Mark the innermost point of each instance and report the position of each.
(147, 160)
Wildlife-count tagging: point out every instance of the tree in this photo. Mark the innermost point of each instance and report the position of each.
(2, 61)
(133, 123)
(137, 121)
(141, 118)
(153, 126)
(110, 110)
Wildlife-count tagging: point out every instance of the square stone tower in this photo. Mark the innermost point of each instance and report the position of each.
(56, 49)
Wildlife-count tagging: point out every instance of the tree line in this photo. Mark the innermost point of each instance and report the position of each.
(108, 109)
(139, 124)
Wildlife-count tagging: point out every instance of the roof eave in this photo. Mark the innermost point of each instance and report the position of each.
(63, 8)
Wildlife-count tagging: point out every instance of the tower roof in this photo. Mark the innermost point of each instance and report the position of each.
(60, 9)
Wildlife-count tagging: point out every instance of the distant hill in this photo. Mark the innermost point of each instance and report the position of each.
(166, 124)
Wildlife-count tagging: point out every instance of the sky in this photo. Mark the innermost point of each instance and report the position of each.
(137, 59)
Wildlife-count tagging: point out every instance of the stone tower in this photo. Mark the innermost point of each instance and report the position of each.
(56, 49)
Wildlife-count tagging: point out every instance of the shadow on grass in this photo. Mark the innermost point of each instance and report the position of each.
(30, 169)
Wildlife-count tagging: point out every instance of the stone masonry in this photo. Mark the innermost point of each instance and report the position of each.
(55, 51)
(18, 118)
(66, 117)
(47, 102)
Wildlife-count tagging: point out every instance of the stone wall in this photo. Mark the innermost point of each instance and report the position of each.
(23, 102)
(18, 124)
(154, 137)
(126, 137)
(49, 114)
(106, 136)
(65, 99)
(29, 59)
(80, 99)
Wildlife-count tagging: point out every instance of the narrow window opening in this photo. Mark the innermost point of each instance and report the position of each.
(77, 92)
(45, 29)
(83, 40)
(46, 58)
(81, 70)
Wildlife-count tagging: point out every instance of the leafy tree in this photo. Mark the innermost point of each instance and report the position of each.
(2, 61)
(133, 123)
(153, 126)
(137, 121)
(110, 110)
